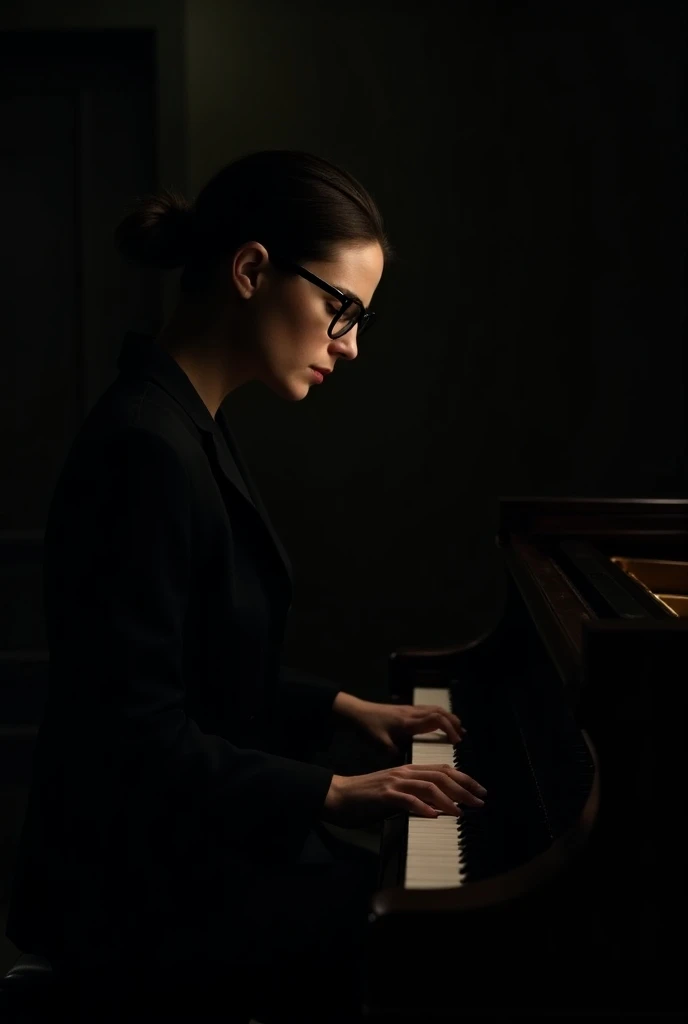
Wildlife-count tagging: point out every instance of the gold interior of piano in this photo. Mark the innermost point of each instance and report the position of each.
(667, 581)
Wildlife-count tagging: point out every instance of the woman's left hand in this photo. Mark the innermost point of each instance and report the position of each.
(391, 723)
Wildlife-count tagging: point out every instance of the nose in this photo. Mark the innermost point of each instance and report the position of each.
(348, 343)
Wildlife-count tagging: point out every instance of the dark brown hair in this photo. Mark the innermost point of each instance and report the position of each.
(299, 206)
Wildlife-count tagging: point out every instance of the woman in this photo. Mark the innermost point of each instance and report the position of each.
(174, 816)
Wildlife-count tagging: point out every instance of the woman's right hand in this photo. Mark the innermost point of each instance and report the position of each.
(426, 790)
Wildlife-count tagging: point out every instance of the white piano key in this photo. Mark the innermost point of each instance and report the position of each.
(433, 852)
(432, 753)
(431, 695)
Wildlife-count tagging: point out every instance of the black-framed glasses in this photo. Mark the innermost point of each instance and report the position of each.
(352, 311)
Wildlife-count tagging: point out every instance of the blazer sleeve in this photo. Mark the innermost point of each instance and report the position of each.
(303, 720)
(307, 696)
(130, 625)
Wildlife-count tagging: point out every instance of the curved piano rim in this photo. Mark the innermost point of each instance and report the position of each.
(508, 886)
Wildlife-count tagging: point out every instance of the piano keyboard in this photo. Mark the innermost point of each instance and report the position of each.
(433, 855)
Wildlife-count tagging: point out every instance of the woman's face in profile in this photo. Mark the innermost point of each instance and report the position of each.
(284, 325)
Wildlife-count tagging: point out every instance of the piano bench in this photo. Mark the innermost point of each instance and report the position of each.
(33, 991)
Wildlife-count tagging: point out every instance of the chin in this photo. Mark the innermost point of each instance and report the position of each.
(291, 389)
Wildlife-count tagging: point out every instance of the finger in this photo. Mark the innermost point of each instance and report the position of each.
(452, 790)
(460, 777)
(441, 720)
(432, 795)
(454, 719)
(463, 795)
(436, 720)
(415, 806)
(455, 730)
(426, 709)
(468, 783)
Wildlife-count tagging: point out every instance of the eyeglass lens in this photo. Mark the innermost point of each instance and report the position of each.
(347, 320)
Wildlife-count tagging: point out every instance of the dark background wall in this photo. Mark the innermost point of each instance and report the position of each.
(529, 161)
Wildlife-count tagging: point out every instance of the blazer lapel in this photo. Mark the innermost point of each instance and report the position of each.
(143, 358)
(233, 466)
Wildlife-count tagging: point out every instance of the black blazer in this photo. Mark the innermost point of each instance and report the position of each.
(161, 751)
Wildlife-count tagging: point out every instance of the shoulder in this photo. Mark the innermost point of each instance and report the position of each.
(138, 424)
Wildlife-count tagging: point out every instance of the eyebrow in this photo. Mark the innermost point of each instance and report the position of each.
(351, 295)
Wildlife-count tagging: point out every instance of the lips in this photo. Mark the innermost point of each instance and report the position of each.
(320, 369)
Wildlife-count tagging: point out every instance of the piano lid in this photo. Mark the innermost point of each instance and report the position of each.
(581, 563)
(636, 550)
(666, 580)
(657, 520)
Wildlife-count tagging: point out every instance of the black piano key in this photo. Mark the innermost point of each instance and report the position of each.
(530, 757)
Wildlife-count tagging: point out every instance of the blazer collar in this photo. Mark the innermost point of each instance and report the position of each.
(142, 357)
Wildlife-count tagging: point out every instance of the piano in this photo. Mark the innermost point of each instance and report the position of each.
(564, 893)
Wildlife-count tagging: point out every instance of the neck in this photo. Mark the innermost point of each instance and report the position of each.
(202, 354)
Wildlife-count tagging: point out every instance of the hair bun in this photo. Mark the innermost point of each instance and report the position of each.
(157, 231)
